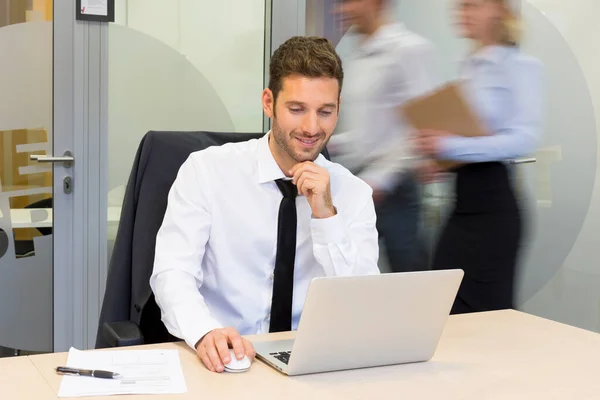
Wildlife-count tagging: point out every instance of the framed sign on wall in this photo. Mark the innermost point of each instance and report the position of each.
(96, 10)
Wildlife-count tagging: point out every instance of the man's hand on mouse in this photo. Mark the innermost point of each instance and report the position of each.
(213, 348)
(313, 182)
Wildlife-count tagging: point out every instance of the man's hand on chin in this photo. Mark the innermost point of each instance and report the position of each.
(313, 182)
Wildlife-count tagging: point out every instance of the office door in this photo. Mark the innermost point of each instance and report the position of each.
(42, 229)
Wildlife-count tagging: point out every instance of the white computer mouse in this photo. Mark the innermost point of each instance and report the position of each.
(236, 365)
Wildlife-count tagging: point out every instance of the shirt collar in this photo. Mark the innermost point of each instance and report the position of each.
(268, 170)
(490, 54)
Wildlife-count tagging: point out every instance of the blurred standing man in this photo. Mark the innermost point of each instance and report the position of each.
(387, 66)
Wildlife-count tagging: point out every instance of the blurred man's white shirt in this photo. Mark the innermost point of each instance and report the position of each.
(380, 73)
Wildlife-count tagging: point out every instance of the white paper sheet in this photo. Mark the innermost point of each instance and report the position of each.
(144, 372)
(94, 7)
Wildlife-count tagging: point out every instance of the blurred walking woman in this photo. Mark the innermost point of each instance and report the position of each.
(483, 233)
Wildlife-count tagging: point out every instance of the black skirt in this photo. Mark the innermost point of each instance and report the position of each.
(482, 237)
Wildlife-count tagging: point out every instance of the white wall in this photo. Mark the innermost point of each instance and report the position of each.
(182, 65)
(121, 12)
(223, 39)
(561, 277)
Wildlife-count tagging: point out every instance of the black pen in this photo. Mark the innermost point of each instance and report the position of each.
(96, 373)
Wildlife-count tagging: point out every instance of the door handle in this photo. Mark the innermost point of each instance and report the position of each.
(67, 159)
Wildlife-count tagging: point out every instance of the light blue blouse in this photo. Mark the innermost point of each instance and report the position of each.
(505, 88)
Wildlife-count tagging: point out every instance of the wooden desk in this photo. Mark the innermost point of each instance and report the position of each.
(498, 355)
(20, 380)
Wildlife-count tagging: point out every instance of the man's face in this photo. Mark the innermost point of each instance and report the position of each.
(304, 116)
(477, 19)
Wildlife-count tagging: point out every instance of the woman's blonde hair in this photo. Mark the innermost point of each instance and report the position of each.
(511, 28)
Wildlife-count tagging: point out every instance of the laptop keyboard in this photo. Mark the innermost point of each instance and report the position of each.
(283, 356)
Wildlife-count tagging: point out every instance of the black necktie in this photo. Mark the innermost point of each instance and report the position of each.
(283, 281)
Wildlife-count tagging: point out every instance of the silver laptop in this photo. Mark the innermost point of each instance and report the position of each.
(366, 321)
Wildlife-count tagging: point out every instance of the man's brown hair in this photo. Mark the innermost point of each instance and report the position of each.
(312, 56)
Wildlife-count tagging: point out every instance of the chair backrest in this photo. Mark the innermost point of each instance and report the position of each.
(159, 158)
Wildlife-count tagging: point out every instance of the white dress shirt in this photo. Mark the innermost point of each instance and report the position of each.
(380, 74)
(215, 251)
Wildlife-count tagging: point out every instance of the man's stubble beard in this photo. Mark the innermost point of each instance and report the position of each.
(283, 138)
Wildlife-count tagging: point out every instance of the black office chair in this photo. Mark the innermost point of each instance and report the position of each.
(129, 314)
(3, 243)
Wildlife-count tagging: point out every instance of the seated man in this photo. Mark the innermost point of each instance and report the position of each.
(237, 247)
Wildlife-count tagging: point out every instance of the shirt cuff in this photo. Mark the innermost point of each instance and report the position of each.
(328, 230)
(198, 330)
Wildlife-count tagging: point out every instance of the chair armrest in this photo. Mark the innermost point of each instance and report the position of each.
(122, 333)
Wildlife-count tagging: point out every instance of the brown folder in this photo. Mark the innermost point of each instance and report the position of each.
(444, 109)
